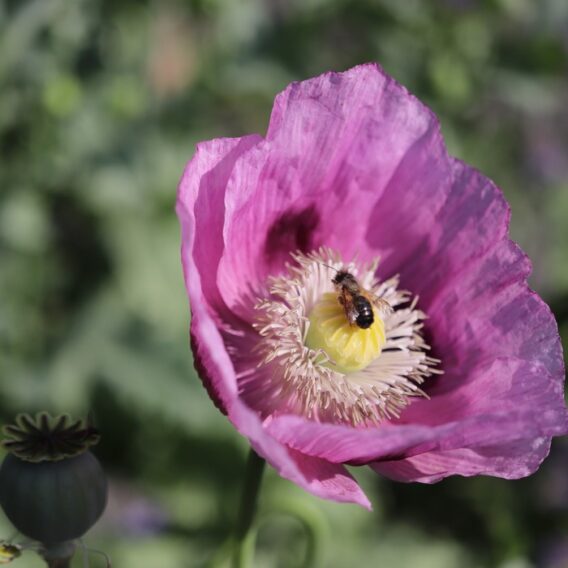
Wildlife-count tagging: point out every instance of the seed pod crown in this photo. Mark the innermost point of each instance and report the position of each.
(48, 438)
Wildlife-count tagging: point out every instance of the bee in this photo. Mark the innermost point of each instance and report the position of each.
(356, 301)
(9, 552)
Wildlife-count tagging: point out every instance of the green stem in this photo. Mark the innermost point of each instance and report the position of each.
(59, 562)
(314, 523)
(58, 555)
(243, 550)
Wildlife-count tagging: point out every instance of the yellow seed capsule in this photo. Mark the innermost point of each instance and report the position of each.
(348, 346)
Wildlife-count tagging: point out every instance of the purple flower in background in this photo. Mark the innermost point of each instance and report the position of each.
(459, 370)
(134, 513)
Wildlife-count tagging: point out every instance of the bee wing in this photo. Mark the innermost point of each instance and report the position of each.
(351, 314)
(346, 300)
(383, 307)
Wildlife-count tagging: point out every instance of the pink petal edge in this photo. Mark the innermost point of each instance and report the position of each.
(317, 476)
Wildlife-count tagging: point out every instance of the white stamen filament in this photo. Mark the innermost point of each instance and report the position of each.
(304, 379)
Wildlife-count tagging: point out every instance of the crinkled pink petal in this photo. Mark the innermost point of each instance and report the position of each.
(472, 281)
(324, 479)
(435, 218)
(333, 145)
(320, 477)
(480, 308)
(476, 423)
(201, 212)
(470, 277)
(203, 187)
(520, 459)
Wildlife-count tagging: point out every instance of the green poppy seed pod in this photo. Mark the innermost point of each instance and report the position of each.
(51, 487)
(53, 501)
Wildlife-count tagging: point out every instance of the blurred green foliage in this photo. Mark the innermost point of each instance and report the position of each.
(101, 103)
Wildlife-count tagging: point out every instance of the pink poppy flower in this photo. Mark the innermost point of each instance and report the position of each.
(460, 371)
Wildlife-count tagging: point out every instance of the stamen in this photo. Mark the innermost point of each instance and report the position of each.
(320, 363)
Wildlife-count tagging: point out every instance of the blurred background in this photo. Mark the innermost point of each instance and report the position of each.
(101, 103)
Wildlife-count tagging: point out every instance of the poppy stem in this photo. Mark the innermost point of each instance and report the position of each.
(59, 562)
(58, 555)
(245, 534)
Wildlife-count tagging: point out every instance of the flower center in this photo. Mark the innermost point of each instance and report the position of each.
(336, 345)
(349, 347)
